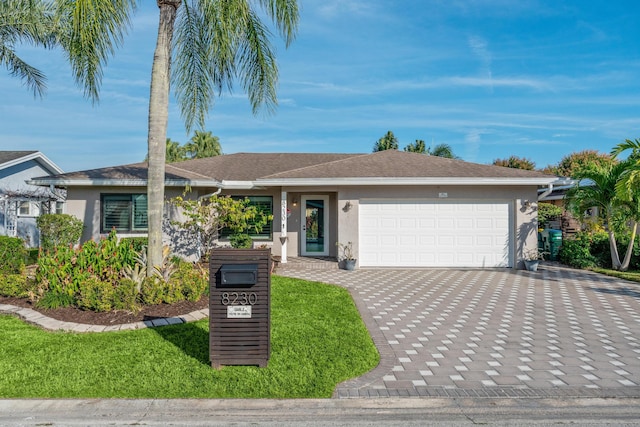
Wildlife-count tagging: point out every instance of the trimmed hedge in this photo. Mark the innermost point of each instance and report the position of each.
(13, 255)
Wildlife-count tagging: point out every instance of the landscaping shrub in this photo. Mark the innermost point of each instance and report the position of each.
(58, 230)
(591, 250)
(240, 241)
(108, 275)
(14, 285)
(13, 254)
(574, 252)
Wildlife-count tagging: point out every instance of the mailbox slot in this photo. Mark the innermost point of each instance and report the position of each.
(234, 275)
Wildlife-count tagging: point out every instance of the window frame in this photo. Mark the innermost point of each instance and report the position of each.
(132, 216)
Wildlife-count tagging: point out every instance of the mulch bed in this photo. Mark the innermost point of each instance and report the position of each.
(70, 314)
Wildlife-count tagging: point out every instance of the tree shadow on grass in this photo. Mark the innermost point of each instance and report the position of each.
(189, 338)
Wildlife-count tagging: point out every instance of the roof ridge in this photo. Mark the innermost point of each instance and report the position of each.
(351, 156)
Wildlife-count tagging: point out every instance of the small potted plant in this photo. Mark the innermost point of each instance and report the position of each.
(346, 259)
(532, 258)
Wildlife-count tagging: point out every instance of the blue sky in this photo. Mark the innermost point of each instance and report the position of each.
(491, 78)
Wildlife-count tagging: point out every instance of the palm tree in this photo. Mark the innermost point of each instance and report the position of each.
(442, 150)
(217, 41)
(203, 144)
(26, 21)
(597, 188)
(416, 147)
(387, 142)
(174, 151)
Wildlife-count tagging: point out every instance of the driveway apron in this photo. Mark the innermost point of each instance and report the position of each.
(558, 332)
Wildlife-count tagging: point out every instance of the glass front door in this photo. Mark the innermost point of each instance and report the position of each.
(315, 233)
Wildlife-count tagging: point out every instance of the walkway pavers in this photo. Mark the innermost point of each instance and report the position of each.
(494, 333)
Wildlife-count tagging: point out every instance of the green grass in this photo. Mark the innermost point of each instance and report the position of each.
(317, 341)
(633, 276)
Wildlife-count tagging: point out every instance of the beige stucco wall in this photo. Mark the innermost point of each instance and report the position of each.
(84, 203)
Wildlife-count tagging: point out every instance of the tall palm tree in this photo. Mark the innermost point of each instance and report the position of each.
(417, 147)
(597, 188)
(442, 150)
(203, 144)
(216, 41)
(387, 142)
(26, 21)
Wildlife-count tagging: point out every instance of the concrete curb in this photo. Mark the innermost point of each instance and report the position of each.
(45, 322)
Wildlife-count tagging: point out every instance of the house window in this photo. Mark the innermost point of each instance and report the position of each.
(124, 212)
(24, 208)
(264, 205)
(59, 207)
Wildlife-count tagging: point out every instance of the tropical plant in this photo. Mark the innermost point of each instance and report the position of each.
(416, 147)
(442, 150)
(26, 21)
(174, 151)
(207, 217)
(203, 144)
(596, 187)
(347, 251)
(216, 42)
(515, 162)
(387, 142)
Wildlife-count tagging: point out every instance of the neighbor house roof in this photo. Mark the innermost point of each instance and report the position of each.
(12, 158)
(251, 170)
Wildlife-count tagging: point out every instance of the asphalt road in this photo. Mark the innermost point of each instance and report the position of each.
(316, 412)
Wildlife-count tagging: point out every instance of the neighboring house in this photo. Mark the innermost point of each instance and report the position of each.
(21, 203)
(399, 209)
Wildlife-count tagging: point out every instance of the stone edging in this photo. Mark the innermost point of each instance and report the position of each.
(45, 322)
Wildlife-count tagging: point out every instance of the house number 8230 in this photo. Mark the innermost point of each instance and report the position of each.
(242, 298)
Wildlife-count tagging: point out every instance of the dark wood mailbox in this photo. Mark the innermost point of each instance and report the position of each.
(239, 307)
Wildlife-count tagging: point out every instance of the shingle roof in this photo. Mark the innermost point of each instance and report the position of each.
(257, 167)
(7, 156)
(402, 164)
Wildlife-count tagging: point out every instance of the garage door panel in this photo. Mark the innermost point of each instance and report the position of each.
(434, 233)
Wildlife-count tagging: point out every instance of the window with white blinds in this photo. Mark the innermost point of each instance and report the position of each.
(124, 213)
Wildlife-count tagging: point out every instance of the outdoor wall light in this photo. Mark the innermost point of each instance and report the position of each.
(347, 206)
(526, 203)
(295, 202)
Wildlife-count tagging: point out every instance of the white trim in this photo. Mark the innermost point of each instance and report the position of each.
(33, 156)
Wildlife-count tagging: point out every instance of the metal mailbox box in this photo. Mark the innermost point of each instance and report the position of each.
(239, 307)
(238, 274)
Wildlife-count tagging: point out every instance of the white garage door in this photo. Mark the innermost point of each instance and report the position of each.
(426, 233)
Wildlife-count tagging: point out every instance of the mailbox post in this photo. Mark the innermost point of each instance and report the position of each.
(239, 307)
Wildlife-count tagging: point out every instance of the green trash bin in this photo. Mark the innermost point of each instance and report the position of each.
(555, 241)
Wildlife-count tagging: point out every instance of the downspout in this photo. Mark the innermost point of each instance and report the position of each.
(546, 192)
(218, 191)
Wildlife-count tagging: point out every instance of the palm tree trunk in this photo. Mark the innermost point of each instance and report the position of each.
(158, 117)
(613, 247)
(627, 255)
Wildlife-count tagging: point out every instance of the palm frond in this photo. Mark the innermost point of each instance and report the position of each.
(93, 29)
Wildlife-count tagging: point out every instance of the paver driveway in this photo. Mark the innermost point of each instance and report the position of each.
(502, 332)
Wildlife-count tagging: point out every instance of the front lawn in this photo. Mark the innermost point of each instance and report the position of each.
(633, 276)
(317, 341)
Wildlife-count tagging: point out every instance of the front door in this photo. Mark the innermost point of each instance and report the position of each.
(315, 225)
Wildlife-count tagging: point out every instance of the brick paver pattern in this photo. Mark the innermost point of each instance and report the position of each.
(497, 332)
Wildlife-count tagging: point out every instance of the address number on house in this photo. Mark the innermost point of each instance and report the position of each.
(239, 298)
